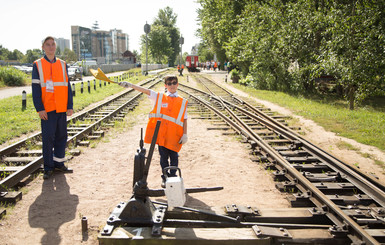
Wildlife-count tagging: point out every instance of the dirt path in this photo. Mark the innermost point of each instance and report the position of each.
(50, 211)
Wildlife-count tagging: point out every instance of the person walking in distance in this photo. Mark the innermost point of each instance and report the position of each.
(52, 98)
(171, 110)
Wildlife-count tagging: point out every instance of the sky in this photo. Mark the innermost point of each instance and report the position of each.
(25, 23)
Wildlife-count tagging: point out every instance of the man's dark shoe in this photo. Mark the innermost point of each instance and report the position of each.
(64, 169)
(47, 174)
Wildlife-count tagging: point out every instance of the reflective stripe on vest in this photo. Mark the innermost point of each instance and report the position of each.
(177, 120)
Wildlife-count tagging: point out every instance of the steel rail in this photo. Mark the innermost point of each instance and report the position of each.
(247, 131)
(358, 180)
(284, 130)
(368, 185)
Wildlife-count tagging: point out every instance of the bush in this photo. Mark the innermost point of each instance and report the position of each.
(234, 75)
(12, 77)
(247, 81)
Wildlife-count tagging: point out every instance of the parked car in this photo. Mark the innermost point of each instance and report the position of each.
(25, 69)
(74, 73)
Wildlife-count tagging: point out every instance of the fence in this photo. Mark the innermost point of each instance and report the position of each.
(122, 67)
(153, 67)
(108, 68)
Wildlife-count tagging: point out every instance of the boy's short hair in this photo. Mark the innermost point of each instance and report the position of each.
(170, 78)
(48, 38)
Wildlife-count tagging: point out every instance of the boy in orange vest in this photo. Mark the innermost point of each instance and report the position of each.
(170, 109)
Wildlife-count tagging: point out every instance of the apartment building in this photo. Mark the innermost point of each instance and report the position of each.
(62, 43)
(104, 46)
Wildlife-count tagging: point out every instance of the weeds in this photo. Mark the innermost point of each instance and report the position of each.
(343, 145)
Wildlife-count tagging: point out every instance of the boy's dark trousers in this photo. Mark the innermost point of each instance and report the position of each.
(164, 155)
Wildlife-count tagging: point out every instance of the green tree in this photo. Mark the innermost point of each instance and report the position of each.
(32, 55)
(159, 44)
(137, 55)
(167, 18)
(4, 52)
(204, 52)
(219, 23)
(286, 45)
(58, 51)
(69, 55)
(15, 55)
(355, 50)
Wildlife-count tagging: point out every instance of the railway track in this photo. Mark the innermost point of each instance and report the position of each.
(21, 159)
(331, 201)
(351, 202)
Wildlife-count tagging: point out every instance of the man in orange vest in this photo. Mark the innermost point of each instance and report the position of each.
(170, 109)
(52, 98)
(181, 70)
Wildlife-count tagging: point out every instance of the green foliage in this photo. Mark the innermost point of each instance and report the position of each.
(219, 23)
(10, 76)
(14, 121)
(4, 53)
(159, 44)
(287, 45)
(163, 39)
(234, 75)
(167, 18)
(69, 56)
(204, 52)
(248, 80)
(32, 55)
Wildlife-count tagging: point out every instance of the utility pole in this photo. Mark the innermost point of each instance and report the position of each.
(147, 29)
(181, 42)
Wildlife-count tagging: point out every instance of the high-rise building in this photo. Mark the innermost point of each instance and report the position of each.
(104, 46)
(62, 43)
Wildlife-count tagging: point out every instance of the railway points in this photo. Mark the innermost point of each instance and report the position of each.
(332, 202)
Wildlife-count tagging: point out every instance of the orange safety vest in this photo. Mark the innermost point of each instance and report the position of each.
(54, 95)
(170, 111)
(182, 67)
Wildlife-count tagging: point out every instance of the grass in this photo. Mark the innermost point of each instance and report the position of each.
(365, 124)
(346, 146)
(16, 122)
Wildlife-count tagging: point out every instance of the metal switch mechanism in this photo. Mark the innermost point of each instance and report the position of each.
(140, 211)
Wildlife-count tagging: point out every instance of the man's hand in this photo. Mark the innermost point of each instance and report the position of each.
(70, 112)
(183, 139)
(125, 84)
(43, 115)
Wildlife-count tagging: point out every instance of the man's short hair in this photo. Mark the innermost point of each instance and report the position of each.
(170, 78)
(48, 38)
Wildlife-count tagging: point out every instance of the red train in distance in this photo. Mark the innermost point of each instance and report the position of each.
(192, 63)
